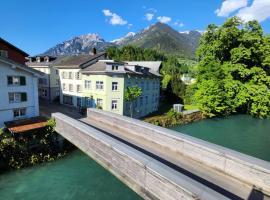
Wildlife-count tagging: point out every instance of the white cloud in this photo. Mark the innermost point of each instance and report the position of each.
(149, 16)
(114, 18)
(180, 24)
(164, 19)
(259, 10)
(229, 6)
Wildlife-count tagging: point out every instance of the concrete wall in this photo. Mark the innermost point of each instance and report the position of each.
(146, 176)
(240, 166)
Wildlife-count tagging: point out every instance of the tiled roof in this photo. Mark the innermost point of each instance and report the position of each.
(75, 60)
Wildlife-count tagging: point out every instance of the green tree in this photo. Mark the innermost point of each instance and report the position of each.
(131, 94)
(234, 69)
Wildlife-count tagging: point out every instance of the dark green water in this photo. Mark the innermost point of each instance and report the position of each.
(75, 177)
(240, 132)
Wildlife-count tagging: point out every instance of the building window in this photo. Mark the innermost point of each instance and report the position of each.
(68, 100)
(79, 102)
(56, 71)
(114, 104)
(44, 93)
(4, 53)
(16, 80)
(78, 76)
(141, 101)
(64, 75)
(16, 97)
(42, 81)
(114, 86)
(79, 88)
(146, 100)
(114, 67)
(87, 85)
(70, 75)
(142, 85)
(19, 112)
(99, 103)
(99, 85)
(64, 87)
(70, 87)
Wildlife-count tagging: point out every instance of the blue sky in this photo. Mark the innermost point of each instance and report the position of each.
(36, 25)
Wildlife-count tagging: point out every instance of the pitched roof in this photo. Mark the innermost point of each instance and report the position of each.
(14, 47)
(21, 66)
(76, 61)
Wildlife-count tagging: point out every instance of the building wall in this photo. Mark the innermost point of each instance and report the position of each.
(6, 108)
(148, 102)
(50, 82)
(74, 94)
(107, 94)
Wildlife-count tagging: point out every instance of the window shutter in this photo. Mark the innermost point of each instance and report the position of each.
(23, 96)
(9, 80)
(22, 80)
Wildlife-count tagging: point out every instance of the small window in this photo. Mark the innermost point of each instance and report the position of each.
(64, 87)
(79, 88)
(70, 75)
(4, 53)
(56, 71)
(114, 67)
(70, 87)
(114, 104)
(16, 80)
(19, 112)
(99, 85)
(78, 76)
(87, 85)
(99, 103)
(17, 97)
(114, 86)
(44, 93)
(141, 101)
(146, 100)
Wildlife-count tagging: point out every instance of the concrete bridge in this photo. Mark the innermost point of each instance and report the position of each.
(158, 163)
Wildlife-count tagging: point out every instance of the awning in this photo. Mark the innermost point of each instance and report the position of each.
(23, 125)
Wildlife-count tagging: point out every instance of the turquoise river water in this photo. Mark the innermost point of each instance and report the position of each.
(77, 177)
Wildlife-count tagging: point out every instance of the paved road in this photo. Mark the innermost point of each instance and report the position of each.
(46, 109)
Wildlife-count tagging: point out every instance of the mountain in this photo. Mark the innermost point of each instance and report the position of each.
(124, 40)
(79, 45)
(164, 38)
(158, 36)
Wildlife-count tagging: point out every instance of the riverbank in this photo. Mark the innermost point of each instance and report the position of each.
(20, 150)
(172, 118)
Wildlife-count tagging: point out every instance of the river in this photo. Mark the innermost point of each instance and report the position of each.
(242, 133)
(77, 177)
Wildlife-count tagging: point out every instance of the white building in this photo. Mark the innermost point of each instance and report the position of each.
(18, 85)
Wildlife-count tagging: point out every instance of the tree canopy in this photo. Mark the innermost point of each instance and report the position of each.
(234, 69)
(131, 94)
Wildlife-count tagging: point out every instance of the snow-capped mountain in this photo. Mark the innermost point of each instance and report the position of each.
(82, 44)
(124, 39)
(157, 36)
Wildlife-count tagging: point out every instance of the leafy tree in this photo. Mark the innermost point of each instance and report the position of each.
(131, 94)
(234, 69)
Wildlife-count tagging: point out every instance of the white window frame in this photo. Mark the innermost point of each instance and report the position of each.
(70, 88)
(114, 105)
(21, 112)
(99, 85)
(87, 84)
(114, 86)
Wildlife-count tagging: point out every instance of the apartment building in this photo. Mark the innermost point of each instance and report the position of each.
(105, 82)
(49, 82)
(71, 83)
(18, 85)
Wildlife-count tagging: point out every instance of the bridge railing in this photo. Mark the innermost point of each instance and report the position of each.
(171, 144)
